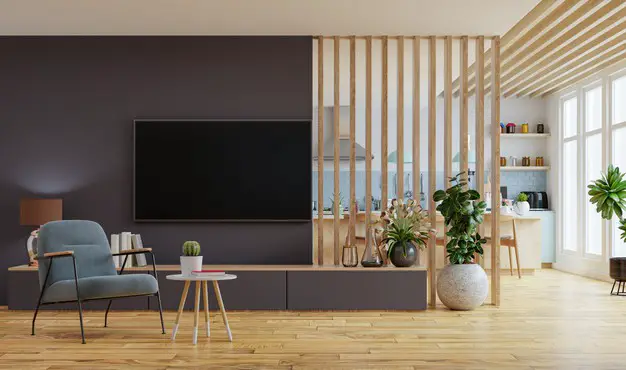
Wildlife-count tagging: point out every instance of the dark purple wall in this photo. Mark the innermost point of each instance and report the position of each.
(67, 106)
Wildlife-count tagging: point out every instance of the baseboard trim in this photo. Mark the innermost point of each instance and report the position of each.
(546, 265)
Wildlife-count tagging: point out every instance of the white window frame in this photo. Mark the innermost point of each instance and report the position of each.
(582, 164)
(580, 262)
(562, 140)
(611, 127)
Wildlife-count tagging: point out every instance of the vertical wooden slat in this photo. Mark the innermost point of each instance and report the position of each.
(480, 122)
(383, 123)
(353, 208)
(495, 170)
(463, 111)
(447, 137)
(416, 119)
(368, 137)
(336, 154)
(400, 116)
(432, 163)
(320, 151)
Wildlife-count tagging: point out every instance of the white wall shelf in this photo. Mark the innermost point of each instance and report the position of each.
(525, 136)
(525, 168)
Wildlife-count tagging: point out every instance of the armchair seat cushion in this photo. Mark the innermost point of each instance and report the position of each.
(94, 287)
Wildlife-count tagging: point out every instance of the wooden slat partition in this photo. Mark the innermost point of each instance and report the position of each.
(320, 150)
(368, 137)
(383, 124)
(432, 166)
(416, 119)
(400, 116)
(495, 170)
(463, 111)
(352, 207)
(447, 119)
(480, 124)
(336, 153)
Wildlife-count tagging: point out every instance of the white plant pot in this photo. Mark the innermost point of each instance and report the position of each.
(189, 264)
(522, 208)
(462, 287)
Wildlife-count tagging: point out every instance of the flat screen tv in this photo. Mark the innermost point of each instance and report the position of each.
(222, 170)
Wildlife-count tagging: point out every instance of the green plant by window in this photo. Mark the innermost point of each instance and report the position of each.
(404, 223)
(609, 196)
(522, 197)
(462, 213)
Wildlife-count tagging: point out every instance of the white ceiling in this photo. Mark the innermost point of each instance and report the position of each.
(260, 17)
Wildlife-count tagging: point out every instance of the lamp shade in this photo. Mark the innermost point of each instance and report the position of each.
(36, 212)
(393, 157)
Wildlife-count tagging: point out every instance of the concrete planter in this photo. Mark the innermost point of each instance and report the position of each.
(462, 287)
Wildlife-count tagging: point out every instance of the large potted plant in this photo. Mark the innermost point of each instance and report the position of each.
(608, 194)
(191, 260)
(405, 230)
(462, 284)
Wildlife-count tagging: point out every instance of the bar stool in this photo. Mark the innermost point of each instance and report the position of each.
(510, 241)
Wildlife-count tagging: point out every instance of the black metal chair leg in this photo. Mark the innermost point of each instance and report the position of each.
(160, 312)
(613, 287)
(80, 304)
(40, 297)
(106, 314)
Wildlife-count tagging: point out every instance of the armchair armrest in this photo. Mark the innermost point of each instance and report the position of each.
(56, 254)
(133, 251)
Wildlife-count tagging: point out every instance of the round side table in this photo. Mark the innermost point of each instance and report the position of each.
(201, 281)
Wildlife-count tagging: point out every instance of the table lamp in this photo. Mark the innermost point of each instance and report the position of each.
(36, 212)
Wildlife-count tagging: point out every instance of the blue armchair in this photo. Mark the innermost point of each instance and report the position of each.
(76, 265)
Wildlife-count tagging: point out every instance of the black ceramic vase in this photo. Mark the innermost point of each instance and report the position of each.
(400, 259)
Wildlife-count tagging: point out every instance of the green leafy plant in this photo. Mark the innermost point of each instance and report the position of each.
(332, 202)
(191, 248)
(404, 223)
(462, 212)
(609, 196)
(522, 197)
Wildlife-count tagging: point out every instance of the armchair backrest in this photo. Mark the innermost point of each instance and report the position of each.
(88, 242)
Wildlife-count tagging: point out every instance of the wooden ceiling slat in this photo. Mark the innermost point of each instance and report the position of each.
(569, 52)
(539, 9)
(566, 22)
(583, 70)
(547, 78)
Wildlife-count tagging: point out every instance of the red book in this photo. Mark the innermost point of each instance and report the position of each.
(208, 272)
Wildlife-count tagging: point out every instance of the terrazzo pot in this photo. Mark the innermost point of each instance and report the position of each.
(462, 287)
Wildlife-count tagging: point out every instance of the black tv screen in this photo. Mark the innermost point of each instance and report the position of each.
(222, 170)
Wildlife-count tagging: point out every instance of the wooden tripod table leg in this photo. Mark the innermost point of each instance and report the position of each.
(181, 305)
(205, 294)
(196, 313)
(218, 295)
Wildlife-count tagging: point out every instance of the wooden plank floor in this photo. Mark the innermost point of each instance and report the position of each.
(550, 320)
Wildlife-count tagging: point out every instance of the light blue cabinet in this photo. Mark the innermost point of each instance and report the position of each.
(548, 235)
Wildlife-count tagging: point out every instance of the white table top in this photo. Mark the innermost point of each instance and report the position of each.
(181, 277)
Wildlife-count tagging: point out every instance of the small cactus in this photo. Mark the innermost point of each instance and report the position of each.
(191, 248)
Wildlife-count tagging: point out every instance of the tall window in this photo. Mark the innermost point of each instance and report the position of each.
(569, 114)
(618, 129)
(593, 166)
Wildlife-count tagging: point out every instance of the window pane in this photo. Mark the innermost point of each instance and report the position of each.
(570, 195)
(619, 160)
(570, 117)
(593, 109)
(593, 171)
(619, 96)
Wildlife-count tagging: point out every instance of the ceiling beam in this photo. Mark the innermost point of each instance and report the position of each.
(520, 48)
(531, 67)
(562, 68)
(512, 34)
(584, 70)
